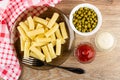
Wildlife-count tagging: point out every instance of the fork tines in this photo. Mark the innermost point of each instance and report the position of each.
(32, 61)
(29, 61)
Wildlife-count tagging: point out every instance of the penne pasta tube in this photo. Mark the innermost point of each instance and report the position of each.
(40, 20)
(24, 27)
(31, 23)
(53, 38)
(22, 33)
(26, 23)
(47, 54)
(58, 46)
(35, 32)
(22, 43)
(32, 54)
(51, 50)
(63, 30)
(52, 30)
(53, 20)
(26, 49)
(38, 53)
(58, 34)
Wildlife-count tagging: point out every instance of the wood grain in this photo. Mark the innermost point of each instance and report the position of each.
(106, 66)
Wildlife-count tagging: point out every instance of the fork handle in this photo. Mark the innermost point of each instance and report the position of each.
(72, 69)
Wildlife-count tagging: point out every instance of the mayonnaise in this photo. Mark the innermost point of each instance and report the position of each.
(104, 41)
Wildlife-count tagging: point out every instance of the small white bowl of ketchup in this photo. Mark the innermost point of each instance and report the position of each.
(85, 53)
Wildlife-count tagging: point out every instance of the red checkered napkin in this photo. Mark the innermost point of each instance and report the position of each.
(9, 64)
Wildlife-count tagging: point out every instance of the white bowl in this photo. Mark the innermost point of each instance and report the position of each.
(105, 41)
(98, 15)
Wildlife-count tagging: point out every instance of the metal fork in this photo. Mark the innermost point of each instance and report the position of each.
(35, 62)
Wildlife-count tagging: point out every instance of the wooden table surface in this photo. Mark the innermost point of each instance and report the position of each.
(106, 66)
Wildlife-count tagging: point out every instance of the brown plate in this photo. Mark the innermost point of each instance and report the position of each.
(67, 48)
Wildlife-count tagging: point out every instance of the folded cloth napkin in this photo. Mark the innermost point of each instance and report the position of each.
(9, 64)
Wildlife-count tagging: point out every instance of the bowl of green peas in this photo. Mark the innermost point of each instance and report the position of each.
(85, 19)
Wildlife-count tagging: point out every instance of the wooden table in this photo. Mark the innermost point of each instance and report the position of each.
(106, 66)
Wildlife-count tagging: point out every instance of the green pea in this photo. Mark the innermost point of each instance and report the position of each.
(93, 16)
(82, 25)
(90, 30)
(83, 30)
(77, 24)
(82, 15)
(93, 26)
(92, 22)
(75, 20)
(89, 13)
(89, 25)
(83, 20)
(76, 12)
(90, 19)
(85, 26)
(81, 8)
(86, 16)
(96, 20)
(79, 12)
(77, 28)
(74, 23)
(74, 15)
(95, 23)
(79, 17)
(86, 22)
(86, 30)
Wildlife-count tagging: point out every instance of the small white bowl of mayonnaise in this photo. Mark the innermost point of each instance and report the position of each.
(105, 41)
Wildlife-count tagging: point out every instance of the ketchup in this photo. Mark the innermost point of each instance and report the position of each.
(85, 53)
